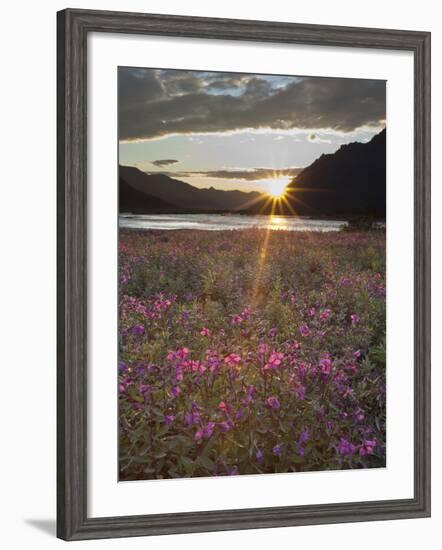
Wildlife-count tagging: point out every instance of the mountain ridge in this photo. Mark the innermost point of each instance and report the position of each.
(349, 182)
(179, 194)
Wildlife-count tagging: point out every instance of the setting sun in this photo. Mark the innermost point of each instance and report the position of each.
(277, 186)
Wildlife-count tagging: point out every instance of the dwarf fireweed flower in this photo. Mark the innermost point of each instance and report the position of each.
(345, 448)
(199, 435)
(303, 436)
(195, 366)
(325, 365)
(245, 313)
(179, 354)
(263, 349)
(162, 303)
(176, 391)
(232, 359)
(205, 331)
(354, 319)
(185, 315)
(208, 429)
(312, 311)
(367, 447)
(237, 319)
(304, 330)
(225, 426)
(179, 374)
(302, 439)
(250, 390)
(277, 450)
(138, 330)
(350, 368)
(274, 361)
(212, 360)
(247, 399)
(273, 402)
(145, 388)
(303, 369)
(192, 417)
(182, 353)
(325, 314)
(249, 395)
(273, 332)
(168, 419)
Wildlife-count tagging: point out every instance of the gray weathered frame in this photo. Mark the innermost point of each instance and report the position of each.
(73, 28)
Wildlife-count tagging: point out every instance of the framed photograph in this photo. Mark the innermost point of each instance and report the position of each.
(243, 274)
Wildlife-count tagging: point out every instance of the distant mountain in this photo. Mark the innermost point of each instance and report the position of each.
(141, 192)
(133, 200)
(349, 182)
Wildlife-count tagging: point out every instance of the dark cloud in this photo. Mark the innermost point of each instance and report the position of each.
(164, 162)
(156, 103)
(180, 82)
(248, 175)
(227, 82)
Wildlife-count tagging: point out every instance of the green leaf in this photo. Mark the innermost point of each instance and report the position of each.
(206, 463)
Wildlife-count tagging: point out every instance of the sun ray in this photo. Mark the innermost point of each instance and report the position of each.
(262, 258)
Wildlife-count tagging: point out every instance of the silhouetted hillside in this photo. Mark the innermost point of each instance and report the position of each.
(174, 194)
(348, 183)
(132, 200)
(351, 181)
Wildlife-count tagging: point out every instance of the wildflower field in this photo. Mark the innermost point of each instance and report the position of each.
(251, 351)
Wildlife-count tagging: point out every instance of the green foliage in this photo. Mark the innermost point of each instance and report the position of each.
(192, 301)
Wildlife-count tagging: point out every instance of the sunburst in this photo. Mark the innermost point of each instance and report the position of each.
(277, 187)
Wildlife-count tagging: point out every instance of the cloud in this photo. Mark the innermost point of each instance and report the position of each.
(164, 162)
(227, 82)
(314, 138)
(155, 103)
(239, 174)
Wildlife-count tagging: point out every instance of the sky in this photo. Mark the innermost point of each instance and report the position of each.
(236, 130)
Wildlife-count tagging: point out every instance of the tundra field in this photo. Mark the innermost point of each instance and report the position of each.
(250, 352)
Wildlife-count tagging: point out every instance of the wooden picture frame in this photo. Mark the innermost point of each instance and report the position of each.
(73, 28)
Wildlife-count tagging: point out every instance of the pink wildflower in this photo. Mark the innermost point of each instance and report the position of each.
(367, 448)
(232, 359)
(325, 365)
(354, 319)
(325, 314)
(263, 349)
(304, 330)
(274, 361)
(273, 402)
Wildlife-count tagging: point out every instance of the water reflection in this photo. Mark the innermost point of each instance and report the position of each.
(218, 222)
